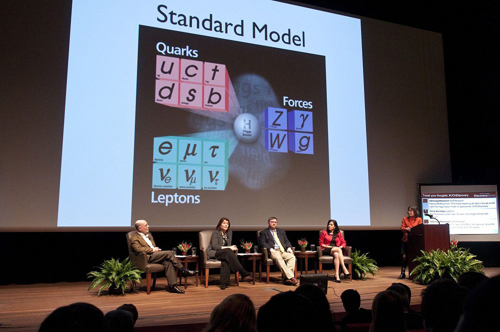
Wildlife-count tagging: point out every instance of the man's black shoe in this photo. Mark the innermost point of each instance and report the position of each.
(175, 289)
(188, 273)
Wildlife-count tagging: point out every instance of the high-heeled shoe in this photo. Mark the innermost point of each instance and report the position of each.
(337, 279)
(347, 276)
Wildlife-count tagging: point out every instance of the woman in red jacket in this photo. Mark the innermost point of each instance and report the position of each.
(406, 225)
(331, 242)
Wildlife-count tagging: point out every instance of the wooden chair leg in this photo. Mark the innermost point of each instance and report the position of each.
(350, 272)
(148, 283)
(320, 267)
(154, 280)
(237, 275)
(268, 271)
(206, 278)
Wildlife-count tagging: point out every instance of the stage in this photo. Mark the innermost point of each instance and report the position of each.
(24, 307)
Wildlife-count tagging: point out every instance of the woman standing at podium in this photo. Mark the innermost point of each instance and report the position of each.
(406, 225)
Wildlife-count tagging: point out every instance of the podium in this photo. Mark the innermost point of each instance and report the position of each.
(426, 237)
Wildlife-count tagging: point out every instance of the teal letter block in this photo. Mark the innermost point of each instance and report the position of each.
(215, 152)
(164, 176)
(165, 149)
(189, 177)
(190, 151)
(214, 178)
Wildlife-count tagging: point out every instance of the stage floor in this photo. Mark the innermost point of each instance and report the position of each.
(24, 307)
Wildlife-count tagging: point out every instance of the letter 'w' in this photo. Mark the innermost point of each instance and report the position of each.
(277, 138)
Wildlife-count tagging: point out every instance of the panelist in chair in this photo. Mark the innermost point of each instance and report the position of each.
(280, 249)
(220, 248)
(331, 242)
(142, 241)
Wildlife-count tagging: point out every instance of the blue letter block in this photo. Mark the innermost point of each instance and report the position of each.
(276, 118)
(215, 152)
(165, 176)
(300, 121)
(301, 143)
(190, 151)
(277, 141)
(189, 177)
(214, 178)
(165, 149)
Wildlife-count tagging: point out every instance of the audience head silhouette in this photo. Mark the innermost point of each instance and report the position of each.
(482, 307)
(76, 317)
(351, 300)
(407, 289)
(235, 313)
(320, 303)
(442, 305)
(130, 308)
(401, 291)
(387, 313)
(471, 280)
(290, 312)
(120, 321)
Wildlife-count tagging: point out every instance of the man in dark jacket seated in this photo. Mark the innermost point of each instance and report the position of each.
(280, 249)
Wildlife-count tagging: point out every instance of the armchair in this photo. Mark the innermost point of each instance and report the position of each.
(267, 261)
(140, 261)
(329, 259)
(207, 264)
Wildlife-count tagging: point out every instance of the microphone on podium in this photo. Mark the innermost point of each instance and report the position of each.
(432, 217)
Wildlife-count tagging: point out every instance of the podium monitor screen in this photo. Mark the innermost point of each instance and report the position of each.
(470, 210)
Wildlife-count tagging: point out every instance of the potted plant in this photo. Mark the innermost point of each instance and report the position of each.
(115, 276)
(452, 263)
(184, 247)
(247, 245)
(303, 244)
(362, 265)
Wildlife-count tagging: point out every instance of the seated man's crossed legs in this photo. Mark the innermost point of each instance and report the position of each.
(171, 265)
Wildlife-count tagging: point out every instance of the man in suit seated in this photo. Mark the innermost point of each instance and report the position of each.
(142, 241)
(277, 244)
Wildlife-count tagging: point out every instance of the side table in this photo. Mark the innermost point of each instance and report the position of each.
(254, 257)
(186, 260)
(304, 256)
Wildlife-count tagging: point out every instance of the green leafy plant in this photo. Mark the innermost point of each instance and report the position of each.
(362, 265)
(113, 274)
(437, 264)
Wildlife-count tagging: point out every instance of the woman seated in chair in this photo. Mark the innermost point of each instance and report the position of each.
(331, 242)
(220, 248)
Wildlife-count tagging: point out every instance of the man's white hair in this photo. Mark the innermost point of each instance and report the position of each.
(138, 223)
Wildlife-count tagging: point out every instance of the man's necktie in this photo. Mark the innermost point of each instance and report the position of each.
(276, 238)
